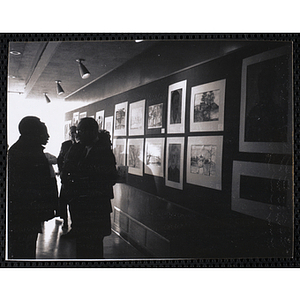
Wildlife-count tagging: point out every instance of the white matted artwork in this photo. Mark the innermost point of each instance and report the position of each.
(82, 115)
(266, 102)
(176, 107)
(207, 106)
(136, 117)
(263, 191)
(92, 116)
(100, 119)
(154, 156)
(109, 124)
(120, 119)
(75, 119)
(204, 161)
(67, 129)
(174, 162)
(155, 113)
(135, 156)
(119, 149)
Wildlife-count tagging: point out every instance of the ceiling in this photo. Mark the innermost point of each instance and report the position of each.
(33, 71)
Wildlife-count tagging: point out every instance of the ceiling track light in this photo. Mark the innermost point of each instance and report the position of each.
(59, 89)
(84, 73)
(47, 98)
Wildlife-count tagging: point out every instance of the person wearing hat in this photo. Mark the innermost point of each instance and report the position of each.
(32, 191)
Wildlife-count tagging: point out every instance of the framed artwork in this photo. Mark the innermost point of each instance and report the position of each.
(120, 119)
(100, 119)
(109, 124)
(135, 156)
(92, 116)
(75, 119)
(119, 150)
(174, 162)
(154, 156)
(136, 118)
(68, 124)
(204, 161)
(266, 102)
(263, 191)
(207, 106)
(176, 107)
(155, 115)
(82, 115)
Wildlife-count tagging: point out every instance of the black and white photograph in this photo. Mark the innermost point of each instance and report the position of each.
(214, 182)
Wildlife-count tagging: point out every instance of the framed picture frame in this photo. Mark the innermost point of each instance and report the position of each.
(207, 106)
(120, 119)
(119, 150)
(100, 119)
(136, 118)
(176, 107)
(263, 191)
(75, 119)
(155, 116)
(108, 124)
(82, 115)
(135, 149)
(266, 102)
(174, 162)
(204, 161)
(154, 156)
(68, 124)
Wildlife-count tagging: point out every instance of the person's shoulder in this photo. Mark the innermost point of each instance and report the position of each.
(67, 143)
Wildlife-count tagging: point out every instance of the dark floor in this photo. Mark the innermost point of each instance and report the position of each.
(50, 245)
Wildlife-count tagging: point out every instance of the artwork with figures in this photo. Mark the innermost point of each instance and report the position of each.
(154, 156)
(155, 113)
(100, 119)
(120, 119)
(119, 149)
(135, 156)
(109, 124)
(204, 161)
(136, 118)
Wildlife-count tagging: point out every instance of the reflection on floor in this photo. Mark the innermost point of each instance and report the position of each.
(50, 245)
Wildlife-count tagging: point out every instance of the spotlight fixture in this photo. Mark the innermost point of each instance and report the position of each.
(47, 98)
(59, 88)
(14, 52)
(84, 73)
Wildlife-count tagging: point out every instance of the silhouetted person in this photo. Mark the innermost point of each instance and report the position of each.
(63, 198)
(89, 174)
(32, 192)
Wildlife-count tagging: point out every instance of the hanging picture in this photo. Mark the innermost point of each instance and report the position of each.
(176, 107)
(82, 115)
(120, 119)
(75, 119)
(109, 124)
(154, 156)
(136, 118)
(92, 116)
(207, 106)
(119, 149)
(263, 191)
(155, 115)
(67, 129)
(204, 161)
(174, 162)
(135, 156)
(266, 102)
(100, 119)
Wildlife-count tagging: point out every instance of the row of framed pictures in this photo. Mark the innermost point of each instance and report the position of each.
(204, 159)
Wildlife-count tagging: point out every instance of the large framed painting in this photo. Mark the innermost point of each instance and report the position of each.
(120, 119)
(155, 116)
(176, 107)
(75, 119)
(100, 119)
(204, 161)
(207, 106)
(136, 118)
(135, 148)
(263, 191)
(119, 150)
(174, 162)
(266, 102)
(68, 124)
(154, 156)
(108, 124)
